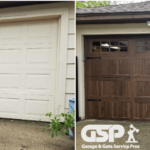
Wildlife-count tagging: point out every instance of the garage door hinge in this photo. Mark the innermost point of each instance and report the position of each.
(93, 99)
(93, 57)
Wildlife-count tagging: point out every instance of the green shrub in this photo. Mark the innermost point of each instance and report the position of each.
(56, 126)
(90, 3)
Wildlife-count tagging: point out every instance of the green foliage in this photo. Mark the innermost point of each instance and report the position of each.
(91, 3)
(56, 126)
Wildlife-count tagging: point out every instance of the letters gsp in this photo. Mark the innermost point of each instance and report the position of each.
(104, 136)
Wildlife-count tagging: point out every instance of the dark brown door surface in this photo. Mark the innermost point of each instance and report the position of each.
(117, 77)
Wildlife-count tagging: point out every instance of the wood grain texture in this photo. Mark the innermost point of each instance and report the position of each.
(119, 79)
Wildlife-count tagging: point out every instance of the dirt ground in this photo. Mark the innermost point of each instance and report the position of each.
(143, 137)
(23, 135)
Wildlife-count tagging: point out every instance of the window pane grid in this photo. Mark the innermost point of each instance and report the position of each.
(110, 46)
(143, 45)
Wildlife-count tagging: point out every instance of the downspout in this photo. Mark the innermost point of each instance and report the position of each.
(76, 90)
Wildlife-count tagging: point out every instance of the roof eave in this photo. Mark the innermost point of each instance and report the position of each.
(112, 14)
(112, 17)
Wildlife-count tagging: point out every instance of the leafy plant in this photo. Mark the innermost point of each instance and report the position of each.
(80, 4)
(56, 126)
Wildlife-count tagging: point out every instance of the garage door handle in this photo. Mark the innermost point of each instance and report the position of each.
(93, 99)
(93, 57)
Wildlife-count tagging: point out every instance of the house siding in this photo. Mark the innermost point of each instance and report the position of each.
(70, 75)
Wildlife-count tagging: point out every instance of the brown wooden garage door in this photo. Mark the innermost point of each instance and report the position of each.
(117, 77)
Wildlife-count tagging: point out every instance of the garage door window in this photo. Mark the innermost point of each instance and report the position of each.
(96, 46)
(110, 46)
(142, 45)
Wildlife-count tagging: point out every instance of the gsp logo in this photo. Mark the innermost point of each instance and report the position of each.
(104, 136)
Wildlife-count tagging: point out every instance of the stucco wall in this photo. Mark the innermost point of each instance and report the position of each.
(66, 9)
(104, 29)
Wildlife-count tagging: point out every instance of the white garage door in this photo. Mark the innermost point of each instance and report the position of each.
(28, 52)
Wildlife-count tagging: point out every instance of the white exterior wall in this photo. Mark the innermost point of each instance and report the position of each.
(64, 12)
(104, 29)
(70, 75)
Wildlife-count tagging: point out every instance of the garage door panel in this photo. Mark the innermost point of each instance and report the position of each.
(9, 106)
(41, 81)
(26, 107)
(24, 81)
(116, 88)
(41, 57)
(11, 33)
(142, 111)
(37, 56)
(109, 108)
(142, 108)
(105, 109)
(109, 68)
(32, 108)
(124, 66)
(35, 103)
(103, 66)
(142, 67)
(142, 88)
(39, 32)
(109, 88)
(141, 81)
(10, 56)
(99, 110)
(93, 89)
(118, 77)
(37, 83)
(115, 110)
(124, 110)
(30, 57)
(92, 107)
(28, 54)
(9, 81)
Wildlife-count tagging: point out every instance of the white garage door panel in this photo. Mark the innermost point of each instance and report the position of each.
(41, 57)
(28, 107)
(11, 33)
(9, 81)
(9, 106)
(32, 107)
(44, 31)
(28, 54)
(41, 83)
(9, 56)
(31, 57)
(27, 81)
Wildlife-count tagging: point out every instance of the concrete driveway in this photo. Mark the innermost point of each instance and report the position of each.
(23, 135)
(143, 137)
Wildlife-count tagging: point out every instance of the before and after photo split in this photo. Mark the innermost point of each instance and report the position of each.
(75, 75)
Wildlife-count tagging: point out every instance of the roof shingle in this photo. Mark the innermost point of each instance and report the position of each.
(131, 7)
